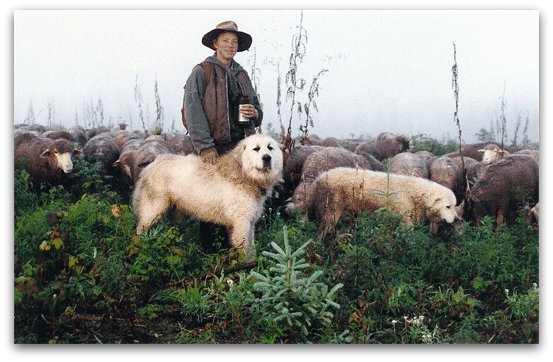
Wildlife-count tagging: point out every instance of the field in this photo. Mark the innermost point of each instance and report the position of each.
(81, 275)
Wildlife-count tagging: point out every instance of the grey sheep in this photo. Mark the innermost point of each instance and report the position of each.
(448, 172)
(102, 151)
(408, 164)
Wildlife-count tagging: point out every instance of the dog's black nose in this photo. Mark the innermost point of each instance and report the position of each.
(266, 160)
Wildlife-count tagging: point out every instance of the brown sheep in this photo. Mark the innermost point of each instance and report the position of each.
(408, 164)
(45, 159)
(122, 137)
(389, 145)
(503, 188)
(56, 135)
(21, 136)
(331, 142)
(181, 144)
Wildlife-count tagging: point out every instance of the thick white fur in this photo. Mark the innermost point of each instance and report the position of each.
(231, 193)
(348, 189)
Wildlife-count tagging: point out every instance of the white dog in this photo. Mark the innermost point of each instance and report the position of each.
(231, 192)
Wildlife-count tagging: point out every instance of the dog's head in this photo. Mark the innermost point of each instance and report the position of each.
(261, 158)
(444, 208)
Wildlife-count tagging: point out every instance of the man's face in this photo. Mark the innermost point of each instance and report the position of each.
(226, 45)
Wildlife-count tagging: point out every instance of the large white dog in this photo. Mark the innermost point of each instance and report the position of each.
(231, 192)
(347, 189)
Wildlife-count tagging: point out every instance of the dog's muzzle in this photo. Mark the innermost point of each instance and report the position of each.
(266, 162)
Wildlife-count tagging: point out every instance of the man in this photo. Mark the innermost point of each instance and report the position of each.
(213, 93)
(220, 107)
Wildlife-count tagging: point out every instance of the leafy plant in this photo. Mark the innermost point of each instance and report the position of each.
(294, 300)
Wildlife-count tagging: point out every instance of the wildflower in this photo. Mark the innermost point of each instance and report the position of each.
(507, 291)
(44, 246)
(426, 338)
(116, 211)
(394, 322)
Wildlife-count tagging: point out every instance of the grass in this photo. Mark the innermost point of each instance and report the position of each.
(83, 276)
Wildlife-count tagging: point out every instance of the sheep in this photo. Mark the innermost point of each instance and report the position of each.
(102, 151)
(122, 137)
(57, 134)
(535, 154)
(79, 134)
(331, 142)
(181, 145)
(21, 136)
(448, 172)
(492, 153)
(320, 161)
(45, 159)
(504, 187)
(389, 145)
(425, 155)
(409, 164)
(145, 155)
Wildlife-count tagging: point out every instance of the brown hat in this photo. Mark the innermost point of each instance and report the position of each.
(244, 39)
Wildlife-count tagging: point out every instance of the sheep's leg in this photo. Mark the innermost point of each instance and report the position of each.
(500, 217)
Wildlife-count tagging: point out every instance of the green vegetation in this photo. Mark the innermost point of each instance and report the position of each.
(81, 275)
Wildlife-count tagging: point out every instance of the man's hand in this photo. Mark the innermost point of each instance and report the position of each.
(210, 157)
(249, 111)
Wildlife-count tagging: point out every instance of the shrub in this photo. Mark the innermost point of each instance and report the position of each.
(292, 299)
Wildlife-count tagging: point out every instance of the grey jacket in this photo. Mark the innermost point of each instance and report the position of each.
(207, 110)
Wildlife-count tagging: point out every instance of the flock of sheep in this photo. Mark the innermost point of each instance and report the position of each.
(485, 179)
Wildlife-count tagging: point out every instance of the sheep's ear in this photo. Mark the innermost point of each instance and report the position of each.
(482, 150)
(46, 153)
(77, 152)
(116, 164)
(502, 152)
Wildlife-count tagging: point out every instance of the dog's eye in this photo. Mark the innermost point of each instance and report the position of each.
(257, 149)
(449, 206)
(270, 148)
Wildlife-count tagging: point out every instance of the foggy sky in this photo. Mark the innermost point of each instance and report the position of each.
(388, 70)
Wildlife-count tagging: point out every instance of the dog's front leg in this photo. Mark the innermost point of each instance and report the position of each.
(241, 239)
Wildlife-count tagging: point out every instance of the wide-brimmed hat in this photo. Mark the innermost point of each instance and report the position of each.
(244, 39)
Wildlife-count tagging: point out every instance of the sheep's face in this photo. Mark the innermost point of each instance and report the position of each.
(62, 160)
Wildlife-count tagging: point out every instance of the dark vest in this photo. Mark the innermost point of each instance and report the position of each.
(216, 103)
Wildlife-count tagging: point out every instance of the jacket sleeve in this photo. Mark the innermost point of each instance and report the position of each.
(257, 105)
(255, 102)
(196, 120)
